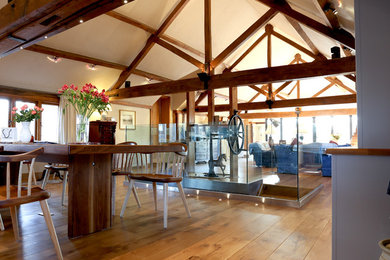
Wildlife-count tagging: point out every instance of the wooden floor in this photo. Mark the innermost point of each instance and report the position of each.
(227, 229)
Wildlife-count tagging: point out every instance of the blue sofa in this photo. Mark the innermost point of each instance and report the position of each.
(286, 159)
(326, 168)
(262, 158)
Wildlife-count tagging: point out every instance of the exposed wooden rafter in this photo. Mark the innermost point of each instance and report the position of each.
(343, 99)
(243, 37)
(86, 59)
(151, 30)
(323, 90)
(24, 23)
(180, 53)
(255, 76)
(340, 35)
(149, 44)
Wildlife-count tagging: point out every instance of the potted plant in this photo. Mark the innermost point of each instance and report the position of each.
(85, 101)
(25, 116)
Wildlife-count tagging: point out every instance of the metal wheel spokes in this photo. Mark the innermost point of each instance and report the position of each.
(236, 136)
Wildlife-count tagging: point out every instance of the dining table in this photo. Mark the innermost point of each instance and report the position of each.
(89, 178)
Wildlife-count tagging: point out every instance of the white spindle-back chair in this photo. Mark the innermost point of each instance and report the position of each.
(11, 196)
(121, 166)
(159, 167)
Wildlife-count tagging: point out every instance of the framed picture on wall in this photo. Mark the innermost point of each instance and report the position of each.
(126, 119)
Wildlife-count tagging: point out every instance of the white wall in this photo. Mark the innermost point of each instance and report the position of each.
(373, 67)
(141, 134)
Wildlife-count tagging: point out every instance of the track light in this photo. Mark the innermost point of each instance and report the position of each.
(91, 67)
(54, 59)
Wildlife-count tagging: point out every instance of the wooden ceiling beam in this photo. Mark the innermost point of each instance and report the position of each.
(283, 86)
(243, 37)
(344, 99)
(295, 45)
(151, 30)
(239, 78)
(312, 113)
(180, 53)
(86, 59)
(340, 84)
(24, 23)
(298, 28)
(130, 104)
(340, 36)
(29, 95)
(249, 50)
(149, 44)
(262, 91)
(201, 97)
(351, 77)
(323, 90)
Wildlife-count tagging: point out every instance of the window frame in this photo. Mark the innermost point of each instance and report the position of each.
(24, 95)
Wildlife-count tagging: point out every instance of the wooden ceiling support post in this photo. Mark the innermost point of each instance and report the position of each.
(268, 30)
(233, 100)
(190, 110)
(208, 58)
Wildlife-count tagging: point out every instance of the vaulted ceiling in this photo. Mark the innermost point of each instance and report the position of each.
(119, 36)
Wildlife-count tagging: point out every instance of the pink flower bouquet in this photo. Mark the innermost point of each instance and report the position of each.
(85, 100)
(26, 114)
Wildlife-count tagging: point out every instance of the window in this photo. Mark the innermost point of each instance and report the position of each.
(19, 104)
(306, 129)
(49, 123)
(289, 129)
(324, 129)
(4, 108)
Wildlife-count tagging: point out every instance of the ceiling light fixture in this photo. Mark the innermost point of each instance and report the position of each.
(54, 59)
(340, 4)
(91, 67)
(81, 21)
(125, 1)
(45, 36)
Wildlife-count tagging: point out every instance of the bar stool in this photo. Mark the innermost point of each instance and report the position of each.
(57, 168)
(12, 196)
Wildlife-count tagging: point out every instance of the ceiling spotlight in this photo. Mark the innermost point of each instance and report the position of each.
(340, 4)
(54, 59)
(148, 79)
(125, 1)
(21, 48)
(45, 36)
(91, 67)
(81, 21)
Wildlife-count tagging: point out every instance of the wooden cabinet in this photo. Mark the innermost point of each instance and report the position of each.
(102, 132)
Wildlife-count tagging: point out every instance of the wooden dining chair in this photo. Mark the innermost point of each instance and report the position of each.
(121, 166)
(163, 167)
(57, 167)
(12, 196)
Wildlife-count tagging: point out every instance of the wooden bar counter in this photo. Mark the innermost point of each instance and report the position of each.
(89, 203)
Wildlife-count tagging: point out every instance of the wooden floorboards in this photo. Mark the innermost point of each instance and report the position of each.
(227, 229)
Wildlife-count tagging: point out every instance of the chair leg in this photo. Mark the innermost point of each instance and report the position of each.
(64, 181)
(113, 180)
(136, 196)
(155, 195)
(46, 178)
(183, 197)
(165, 195)
(127, 197)
(15, 224)
(50, 226)
(1, 224)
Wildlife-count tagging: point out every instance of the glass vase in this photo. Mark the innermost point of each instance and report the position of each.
(25, 133)
(82, 128)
